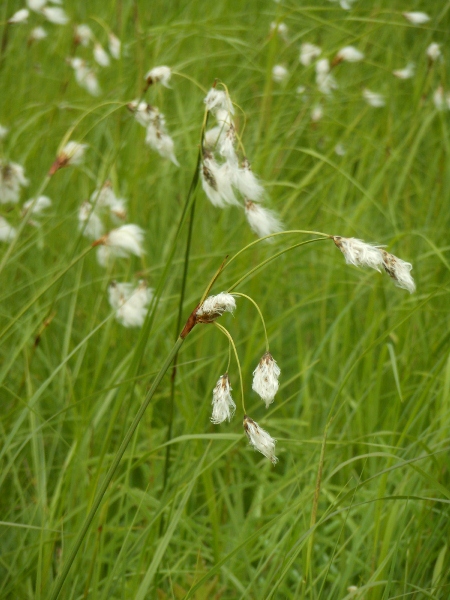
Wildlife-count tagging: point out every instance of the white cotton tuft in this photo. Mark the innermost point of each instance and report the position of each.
(37, 34)
(326, 83)
(217, 181)
(399, 271)
(21, 16)
(3, 132)
(40, 204)
(260, 439)
(160, 140)
(72, 154)
(417, 18)
(36, 5)
(358, 253)
(7, 232)
(279, 73)
(89, 222)
(114, 45)
(55, 15)
(218, 100)
(262, 221)
(160, 74)
(350, 54)
(12, 179)
(247, 184)
(222, 402)
(373, 98)
(125, 240)
(405, 73)
(130, 304)
(214, 307)
(265, 378)
(83, 35)
(100, 55)
(434, 51)
(309, 53)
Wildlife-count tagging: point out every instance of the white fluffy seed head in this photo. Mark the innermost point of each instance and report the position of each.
(214, 307)
(37, 205)
(265, 378)
(89, 222)
(247, 184)
(434, 51)
(130, 304)
(405, 73)
(350, 54)
(160, 74)
(217, 181)
(222, 402)
(373, 98)
(399, 270)
(416, 18)
(260, 439)
(218, 100)
(358, 253)
(100, 55)
(158, 139)
(309, 53)
(125, 240)
(55, 15)
(21, 16)
(12, 179)
(37, 34)
(7, 231)
(279, 73)
(83, 34)
(72, 154)
(114, 45)
(262, 221)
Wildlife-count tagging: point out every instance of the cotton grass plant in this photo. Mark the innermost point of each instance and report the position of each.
(333, 370)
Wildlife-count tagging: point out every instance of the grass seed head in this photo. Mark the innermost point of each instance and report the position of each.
(222, 402)
(260, 439)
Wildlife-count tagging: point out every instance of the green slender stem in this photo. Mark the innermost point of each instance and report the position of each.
(230, 339)
(270, 259)
(175, 360)
(272, 235)
(260, 314)
(110, 474)
(229, 356)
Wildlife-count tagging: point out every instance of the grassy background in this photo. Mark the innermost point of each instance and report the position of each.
(360, 359)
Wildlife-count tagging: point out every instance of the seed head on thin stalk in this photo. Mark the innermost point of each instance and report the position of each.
(7, 231)
(160, 75)
(373, 98)
(222, 402)
(309, 53)
(21, 16)
(55, 15)
(12, 179)
(130, 303)
(260, 440)
(214, 307)
(262, 221)
(120, 242)
(71, 154)
(114, 45)
(82, 35)
(100, 55)
(265, 378)
(358, 253)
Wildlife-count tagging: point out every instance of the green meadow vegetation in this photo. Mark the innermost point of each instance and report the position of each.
(357, 506)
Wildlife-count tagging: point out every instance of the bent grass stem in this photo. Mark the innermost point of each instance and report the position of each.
(270, 259)
(260, 314)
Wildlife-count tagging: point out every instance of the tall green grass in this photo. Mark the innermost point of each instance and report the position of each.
(360, 496)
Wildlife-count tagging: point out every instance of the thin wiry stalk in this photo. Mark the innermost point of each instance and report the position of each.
(260, 314)
(270, 259)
